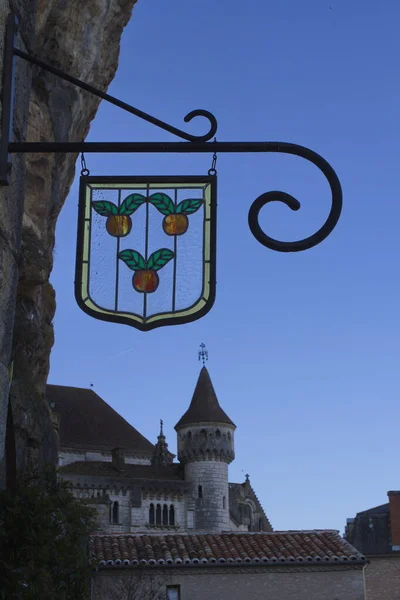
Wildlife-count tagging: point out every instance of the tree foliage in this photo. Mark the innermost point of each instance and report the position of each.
(44, 540)
(135, 583)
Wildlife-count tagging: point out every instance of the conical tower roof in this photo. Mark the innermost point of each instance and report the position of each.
(204, 407)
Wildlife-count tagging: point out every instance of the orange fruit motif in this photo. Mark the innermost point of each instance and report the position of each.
(175, 224)
(145, 280)
(119, 225)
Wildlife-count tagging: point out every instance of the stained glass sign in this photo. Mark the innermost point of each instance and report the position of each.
(146, 249)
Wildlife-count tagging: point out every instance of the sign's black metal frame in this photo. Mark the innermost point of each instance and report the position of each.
(192, 143)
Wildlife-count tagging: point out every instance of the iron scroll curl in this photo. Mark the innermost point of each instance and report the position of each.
(128, 107)
(294, 204)
(202, 138)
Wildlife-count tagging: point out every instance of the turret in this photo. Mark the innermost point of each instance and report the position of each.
(206, 447)
(161, 455)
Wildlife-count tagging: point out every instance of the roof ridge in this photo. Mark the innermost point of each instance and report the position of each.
(71, 387)
(234, 533)
(367, 510)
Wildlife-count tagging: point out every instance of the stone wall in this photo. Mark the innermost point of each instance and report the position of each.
(211, 512)
(81, 38)
(204, 440)
(140, 515)
(272, 583)
(133, 503)
(382, 577)
(131, 517)
(101, 500)
(246, 512)
(206, 449)
(67, 457)
(11, 208)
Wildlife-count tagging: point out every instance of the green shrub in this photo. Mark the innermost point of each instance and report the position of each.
(44, 540)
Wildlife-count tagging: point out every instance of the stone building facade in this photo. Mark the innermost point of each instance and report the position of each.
(376, 533)
(179, 529)
(136, 486)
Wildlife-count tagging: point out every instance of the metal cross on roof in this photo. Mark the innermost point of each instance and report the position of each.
(203, 353)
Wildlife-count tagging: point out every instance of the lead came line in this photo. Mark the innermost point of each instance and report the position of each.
(146, 249)
(117, 260)
(203, 252)
(175, 250)
(89, 239)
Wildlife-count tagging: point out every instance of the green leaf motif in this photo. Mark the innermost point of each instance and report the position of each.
(159, 259)
(189, 206)
(163, 203)
(131, 203)
(105, 208)
(133, 259)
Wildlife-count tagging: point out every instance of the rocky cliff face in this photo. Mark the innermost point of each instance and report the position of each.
(80, 38)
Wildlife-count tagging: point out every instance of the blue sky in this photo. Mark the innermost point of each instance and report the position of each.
(304, 347)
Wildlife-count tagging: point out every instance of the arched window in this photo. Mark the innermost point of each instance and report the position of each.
(171, 515)
(203, 433)
(224, 502)
(200, 491)
(151, 514)
(249, 516)
(165, 515)
(158, 515)
(189, 434)
(218, 433)
(260, 525)
(115, 512)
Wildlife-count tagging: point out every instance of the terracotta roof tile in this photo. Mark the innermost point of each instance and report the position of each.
(233, 548)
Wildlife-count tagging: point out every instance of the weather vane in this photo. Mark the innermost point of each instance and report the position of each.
(203, 353)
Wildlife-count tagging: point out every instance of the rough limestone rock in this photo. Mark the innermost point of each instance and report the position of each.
(82, 39)
(11, 208)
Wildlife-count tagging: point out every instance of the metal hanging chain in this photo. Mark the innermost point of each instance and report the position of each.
(84, 170)
(213, 170)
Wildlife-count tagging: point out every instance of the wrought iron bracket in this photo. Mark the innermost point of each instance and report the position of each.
(192, 143)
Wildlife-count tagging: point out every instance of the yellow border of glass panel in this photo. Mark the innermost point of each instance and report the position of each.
(206, 259)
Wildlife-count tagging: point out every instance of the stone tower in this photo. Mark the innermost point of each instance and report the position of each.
(205, 448)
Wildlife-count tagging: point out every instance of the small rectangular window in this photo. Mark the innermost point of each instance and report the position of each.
(173, 592)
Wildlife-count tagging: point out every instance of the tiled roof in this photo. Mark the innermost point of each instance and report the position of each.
(287, 547)
(87, 421)
(204, 407)
(105, 469)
